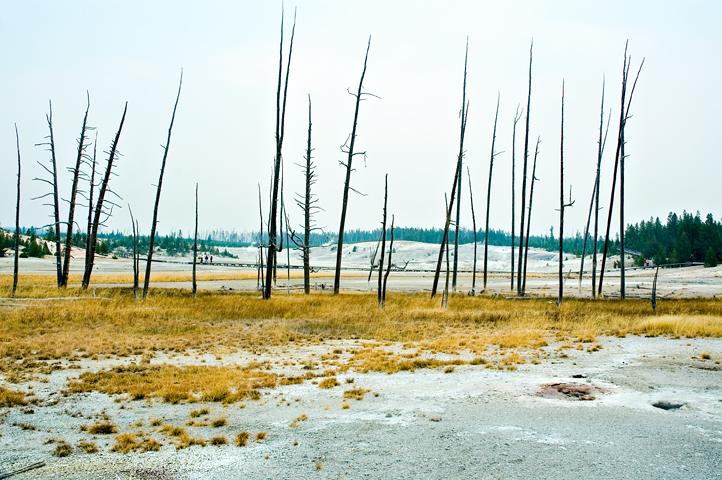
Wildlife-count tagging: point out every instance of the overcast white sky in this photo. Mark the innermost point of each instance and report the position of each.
(224, 134)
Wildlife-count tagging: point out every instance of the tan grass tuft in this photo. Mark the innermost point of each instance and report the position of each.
(329, 382)
(242, 439)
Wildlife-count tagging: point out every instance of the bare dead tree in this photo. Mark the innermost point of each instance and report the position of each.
(151, 245)
(594, 204)
(388, 267)
(260, 286)
(517, 117)
(54, 192)
(112, 157)
(624, 116)
(654, 291)
(473, 221)
(373, 261)
(528, 220)
(457, 230)
(596, 197)
(90, 200)
(383, 242)
(523, 183)
(308, 204)
(348, 148)
(488, 193)
(17, 222)
(71, 211)
(136, 271)
(445, 296)
(457, 175)
(195, 246)
(562, 206)
(280, 130)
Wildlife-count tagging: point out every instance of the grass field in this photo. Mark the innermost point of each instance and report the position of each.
(170, 320)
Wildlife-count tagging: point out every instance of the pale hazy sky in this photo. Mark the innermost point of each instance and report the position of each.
(224, 134)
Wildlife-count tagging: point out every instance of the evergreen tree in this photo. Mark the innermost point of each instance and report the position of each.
(683, 248)
(710, 260)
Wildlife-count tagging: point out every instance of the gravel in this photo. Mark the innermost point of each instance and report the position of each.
(472, 423)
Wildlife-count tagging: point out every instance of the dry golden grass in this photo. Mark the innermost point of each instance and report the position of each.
(242, 439)
(356, 393)
(174, 384)
(88, 447)
(170, 320)
(11, 398)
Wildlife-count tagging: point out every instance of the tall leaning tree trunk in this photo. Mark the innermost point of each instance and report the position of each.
(135, 254)
(488, 192)
(445, 296)
(346, 186)
(620, 142)
(17, 222)
(517, 117)
(73, 193)
(528, 220)
(600, 152)
(523, 182)
(625, 71)
(457, 175)
(149, 259)
(112, 156)
(388, 267)
(195, 247)
(280, 130)
(383, 243)
(457, 229)
(594, 204)
(90, 202)
(473, 221)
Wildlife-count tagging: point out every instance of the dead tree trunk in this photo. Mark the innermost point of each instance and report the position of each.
(654, 291)
(112, 157)
(308, 205)
(562, 206)
(135, 255)
(625, 72)
(594, 204)
(457, 175)
(195, 246)
(528, 220)
(517, 117)
(349, 149)
(262, 285)
(473, 220)
(372, 261)
(620, 151)
(445, 299)
(146, 280)
(280, 129)
(383, 242)
(488, 193)
(73, 193)
(90, 202)
(456, 230)
(388, 267)
(54, 192)
(17, 222)
(596, 196)
(523, 182)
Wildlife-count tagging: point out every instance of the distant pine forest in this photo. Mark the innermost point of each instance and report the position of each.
(681, 238)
